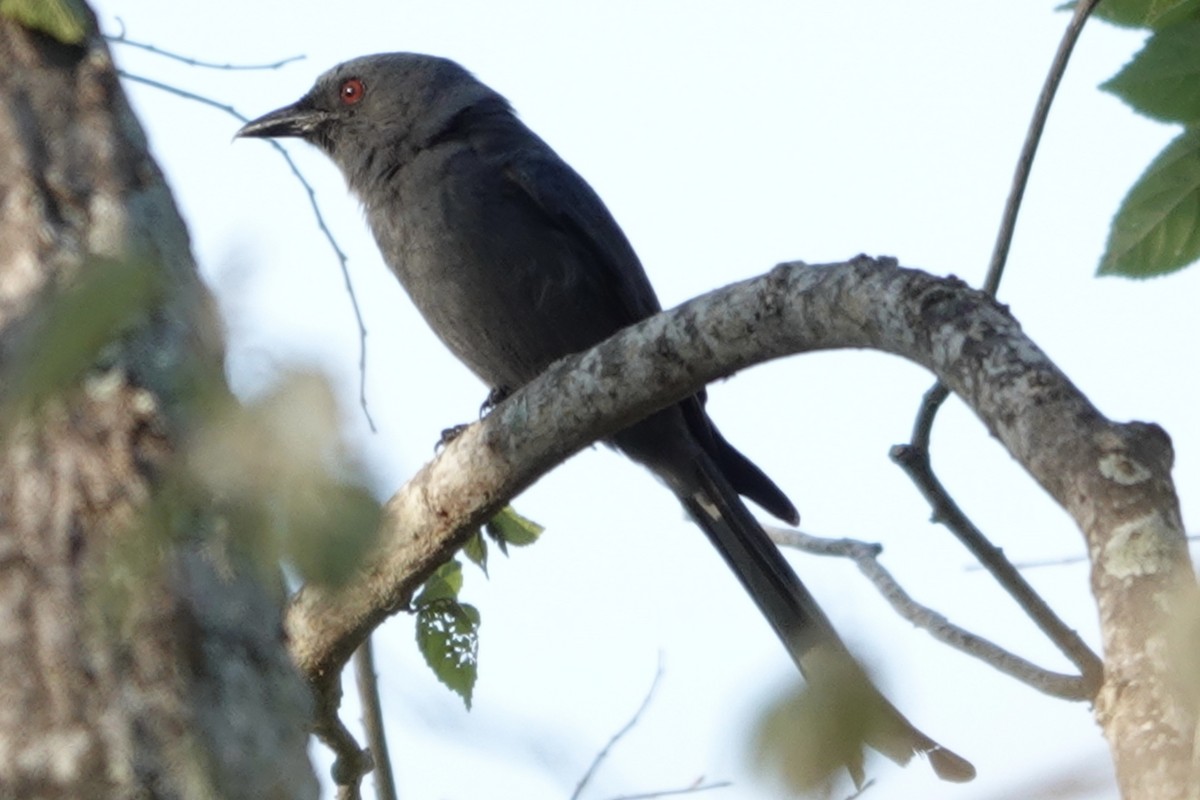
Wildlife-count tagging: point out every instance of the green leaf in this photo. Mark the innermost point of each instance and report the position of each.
(444, 584)
(448, 637)
(1157, 228)
(1146, 13)
(476, 551)
(448, 631)
(509, 527)
(65, 20)
(1162, 79)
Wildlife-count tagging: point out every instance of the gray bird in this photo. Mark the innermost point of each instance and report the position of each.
(514, 262)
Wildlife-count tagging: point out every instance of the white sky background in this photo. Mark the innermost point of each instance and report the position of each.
(725, 137)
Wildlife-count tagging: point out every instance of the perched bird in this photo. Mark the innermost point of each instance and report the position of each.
(514, 262)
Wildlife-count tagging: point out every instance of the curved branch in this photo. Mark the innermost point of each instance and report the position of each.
(1113, 479)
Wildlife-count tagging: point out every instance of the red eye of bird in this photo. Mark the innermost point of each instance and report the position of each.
(352, 91)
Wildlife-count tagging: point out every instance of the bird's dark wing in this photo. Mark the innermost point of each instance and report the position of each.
(568, 203)
(618, 289)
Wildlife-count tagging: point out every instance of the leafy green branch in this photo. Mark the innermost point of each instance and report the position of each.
(447, 628)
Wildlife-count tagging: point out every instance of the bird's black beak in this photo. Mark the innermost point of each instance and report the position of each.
(299, 119)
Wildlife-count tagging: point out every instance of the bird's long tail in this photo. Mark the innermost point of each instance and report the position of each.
(799, 621)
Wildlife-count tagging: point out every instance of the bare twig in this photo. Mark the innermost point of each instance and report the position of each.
(184, 93)
(1061, 561)
(368, 693)
(1064, 561)
(1033, 136)
(693, 789)
(120, 38)
(616, 737)
(865, 556)
(343, 262)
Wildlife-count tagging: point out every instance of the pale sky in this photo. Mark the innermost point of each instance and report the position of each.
(725, 137)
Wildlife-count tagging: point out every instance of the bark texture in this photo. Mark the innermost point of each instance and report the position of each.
(138, 658)
(1113, 478)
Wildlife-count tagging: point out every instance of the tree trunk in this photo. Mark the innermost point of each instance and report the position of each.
(140, 658)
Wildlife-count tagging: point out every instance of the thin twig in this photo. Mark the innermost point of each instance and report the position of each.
(1061, 561)
(694, 789)
(616, 737)
(343, 262)
(865, 556)
(1064, 561)
(184, 93)
(1033, 136)
(368, 695)
(195, 62)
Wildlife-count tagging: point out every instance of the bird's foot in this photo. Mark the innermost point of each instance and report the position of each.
(449, 435)
(495, 397)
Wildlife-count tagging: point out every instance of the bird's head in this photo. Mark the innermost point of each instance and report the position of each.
(377, 110)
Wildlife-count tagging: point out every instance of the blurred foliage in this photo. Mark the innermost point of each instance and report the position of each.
(67, 333)
(807, 736)
(266, 480)
(66, 20)
(1156, 230)
(277, 464)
